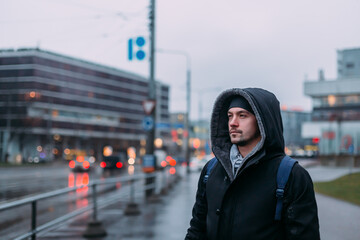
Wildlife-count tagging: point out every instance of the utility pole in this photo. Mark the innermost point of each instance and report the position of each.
(188, 100)
(152, 89)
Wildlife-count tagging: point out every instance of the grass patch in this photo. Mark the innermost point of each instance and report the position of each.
(345, 188)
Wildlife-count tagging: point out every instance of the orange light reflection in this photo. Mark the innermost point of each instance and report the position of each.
(82, 203)
(131, 170)
(79, 180)
(71, 180)
(85, 179)
(172, 170)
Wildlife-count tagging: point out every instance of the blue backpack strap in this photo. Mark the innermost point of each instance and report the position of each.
(210, 166)
(282, 177)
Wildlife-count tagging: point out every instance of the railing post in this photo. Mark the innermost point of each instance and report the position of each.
(164, 189)
(170, 181)
(95, 203)
(149, 180)
(33, 220)
(154, 197)
(94, 227)
(132, 191)
(132, 208)
(177, 174)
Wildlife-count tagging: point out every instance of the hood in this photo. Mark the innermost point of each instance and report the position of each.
(266, 108)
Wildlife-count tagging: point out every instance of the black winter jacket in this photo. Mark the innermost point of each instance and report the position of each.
(242, 207)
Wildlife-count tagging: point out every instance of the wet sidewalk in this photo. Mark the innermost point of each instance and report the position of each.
(167, 219)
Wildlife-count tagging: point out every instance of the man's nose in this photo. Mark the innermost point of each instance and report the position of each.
(233, 122)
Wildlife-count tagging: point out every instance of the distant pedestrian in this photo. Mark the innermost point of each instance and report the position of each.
(238, 201)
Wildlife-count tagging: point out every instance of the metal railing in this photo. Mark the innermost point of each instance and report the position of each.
(33, 201)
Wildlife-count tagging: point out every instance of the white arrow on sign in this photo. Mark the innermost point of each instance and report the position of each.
(149, 106)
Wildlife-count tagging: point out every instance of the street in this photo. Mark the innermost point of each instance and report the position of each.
(170, 219)
(21, 182)
(17, 182)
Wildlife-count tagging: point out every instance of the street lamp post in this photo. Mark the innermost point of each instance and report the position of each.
(188, 100)
(200, 93)
(152, 93)
(152, 86)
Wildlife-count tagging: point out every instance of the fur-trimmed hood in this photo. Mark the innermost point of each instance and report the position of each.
(266, 108)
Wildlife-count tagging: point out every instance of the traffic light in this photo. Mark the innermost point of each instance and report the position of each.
(315, 140)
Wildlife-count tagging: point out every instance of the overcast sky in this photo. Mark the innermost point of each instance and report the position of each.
(272, 44)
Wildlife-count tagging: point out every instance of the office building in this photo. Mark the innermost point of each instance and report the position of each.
(295, 145)
(56, 107)
(335, 121)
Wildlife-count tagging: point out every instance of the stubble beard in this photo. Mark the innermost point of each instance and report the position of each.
(239, 140)
(242, 140)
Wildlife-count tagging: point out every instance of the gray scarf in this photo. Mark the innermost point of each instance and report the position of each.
(236, 159)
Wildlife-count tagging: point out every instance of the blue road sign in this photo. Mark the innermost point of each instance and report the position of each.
(351, 149)
(140, 41)
(178, 125)
(163, 125)
(139, 53)
(148, 160)
(148, 163)
(148, 123)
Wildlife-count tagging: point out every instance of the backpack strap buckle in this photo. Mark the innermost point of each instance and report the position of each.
(279, 193)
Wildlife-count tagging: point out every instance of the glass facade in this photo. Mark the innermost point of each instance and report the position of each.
(295, 144)
(335, 120)
(43, 94)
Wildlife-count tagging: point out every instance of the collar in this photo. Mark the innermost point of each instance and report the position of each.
(235, 154)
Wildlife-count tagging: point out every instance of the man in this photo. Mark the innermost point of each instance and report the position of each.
(238, 200)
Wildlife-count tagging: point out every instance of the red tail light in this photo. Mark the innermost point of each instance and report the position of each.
(172, 162)
(119, 165)
(86, 164)
(103, 164)
(72, 164)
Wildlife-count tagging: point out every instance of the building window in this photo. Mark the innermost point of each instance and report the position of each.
(350, 65)
(352, 99)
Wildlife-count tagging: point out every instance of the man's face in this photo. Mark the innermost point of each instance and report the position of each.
(243, 128)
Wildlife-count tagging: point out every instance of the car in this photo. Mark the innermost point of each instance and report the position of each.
(36, 160)
(82, 164)
(113, 162)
